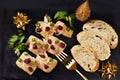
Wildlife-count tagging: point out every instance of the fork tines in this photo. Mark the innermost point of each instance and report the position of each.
(69, 63)
(64, 58)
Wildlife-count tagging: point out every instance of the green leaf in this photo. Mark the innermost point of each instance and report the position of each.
(71, 18)
(16, 42)
(63, 15)
(13, 38)
(21, 39)
(20, 32)
(66, 18)
(70, 21)
(72, 15)
(60, 15)
(17, 52)
(12, 41)
(21, 46)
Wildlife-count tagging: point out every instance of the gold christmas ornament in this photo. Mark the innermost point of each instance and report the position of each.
(108, 70)
(21, 20)
(83, 11)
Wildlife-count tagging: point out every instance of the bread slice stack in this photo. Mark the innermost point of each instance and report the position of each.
(96, 42)
(99, 37)
(105, 30)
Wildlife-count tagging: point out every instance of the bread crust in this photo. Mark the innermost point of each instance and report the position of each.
(105, 30)
(77, 50)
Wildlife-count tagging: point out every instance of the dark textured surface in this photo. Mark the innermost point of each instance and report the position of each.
(107, 10)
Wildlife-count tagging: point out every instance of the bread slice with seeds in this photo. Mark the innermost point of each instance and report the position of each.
(105, 30)
(85, 57)
(96, 42)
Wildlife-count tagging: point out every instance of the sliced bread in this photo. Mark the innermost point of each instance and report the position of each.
(104, 29)
(96, 42)
(85, 57)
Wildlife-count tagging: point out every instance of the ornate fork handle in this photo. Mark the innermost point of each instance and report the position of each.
(81, 74)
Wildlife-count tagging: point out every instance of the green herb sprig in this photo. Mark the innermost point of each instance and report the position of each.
(16, 42)
(64, 15)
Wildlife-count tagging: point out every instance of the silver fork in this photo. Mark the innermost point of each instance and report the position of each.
(69, 63)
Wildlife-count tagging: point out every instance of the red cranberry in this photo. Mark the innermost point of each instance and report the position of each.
(62, 45)
(49, 41)
(60, 27)
(46, 66)
(27, 61)
(47, 29)
(34, 46)
(30, 69)
(39, 29)
(42, 56)
(52, 47)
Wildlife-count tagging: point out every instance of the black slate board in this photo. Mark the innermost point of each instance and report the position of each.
(106, 10)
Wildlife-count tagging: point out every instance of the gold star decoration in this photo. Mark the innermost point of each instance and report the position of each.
(21, 20)
(108, 70)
